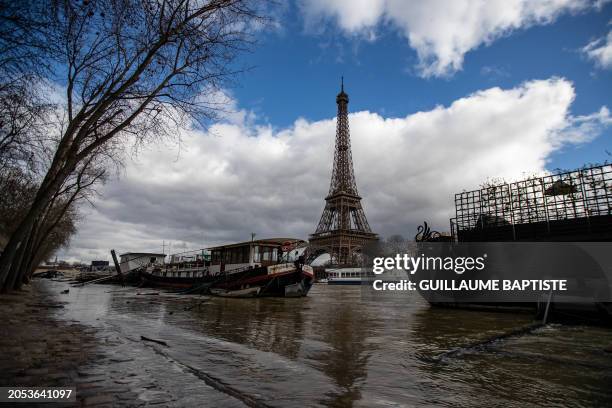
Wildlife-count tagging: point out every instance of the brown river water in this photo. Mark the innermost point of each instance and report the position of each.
(337, 348)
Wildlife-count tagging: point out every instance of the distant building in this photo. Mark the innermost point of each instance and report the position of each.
(134, 260)
(98, 266)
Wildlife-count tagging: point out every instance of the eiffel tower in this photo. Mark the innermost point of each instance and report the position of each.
(343, 230)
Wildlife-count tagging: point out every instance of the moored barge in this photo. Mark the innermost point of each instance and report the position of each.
(256, 268)
(568, 207)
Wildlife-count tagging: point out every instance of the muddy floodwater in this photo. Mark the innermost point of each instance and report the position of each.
(335, 348)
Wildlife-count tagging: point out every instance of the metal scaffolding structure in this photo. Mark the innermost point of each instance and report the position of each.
(569, 204)
(343, 229)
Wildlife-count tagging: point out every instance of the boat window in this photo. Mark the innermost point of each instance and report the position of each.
(216, 256)
(256, 254)
(267, 254)
(264, 254)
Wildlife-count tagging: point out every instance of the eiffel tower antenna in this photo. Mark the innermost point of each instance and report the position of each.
(343, 229)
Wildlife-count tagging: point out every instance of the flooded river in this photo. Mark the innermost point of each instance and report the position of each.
(335, 348)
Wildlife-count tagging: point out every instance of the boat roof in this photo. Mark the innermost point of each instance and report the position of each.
(143, 253)
(267, 241)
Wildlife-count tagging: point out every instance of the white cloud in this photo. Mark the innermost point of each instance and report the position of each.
(441, 31)
(240, 178)
(600, 51)
(585, 128)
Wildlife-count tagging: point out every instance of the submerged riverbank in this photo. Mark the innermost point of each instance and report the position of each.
(332, 348)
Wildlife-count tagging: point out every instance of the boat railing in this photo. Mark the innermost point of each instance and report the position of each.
(572, 201)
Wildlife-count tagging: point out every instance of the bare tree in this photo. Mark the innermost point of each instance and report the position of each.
(22, 126)
(23, 45)
(57, 223)
(134, 70)
(24, 62)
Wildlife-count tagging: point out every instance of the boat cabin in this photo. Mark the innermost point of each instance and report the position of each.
(134, 260)
(261, 252)
(200, 257)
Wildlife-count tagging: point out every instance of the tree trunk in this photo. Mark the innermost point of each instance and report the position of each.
(20, 260)
(21, 235)
(11, 249)
(64, 163)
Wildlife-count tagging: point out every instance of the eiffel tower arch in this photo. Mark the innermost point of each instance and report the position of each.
(343, 229)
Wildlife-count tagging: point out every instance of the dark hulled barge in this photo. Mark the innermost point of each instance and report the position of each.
(183, 270)
(256, 268)
(264, 267)
(564, 208)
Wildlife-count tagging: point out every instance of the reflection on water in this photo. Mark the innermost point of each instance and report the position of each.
(335, 348)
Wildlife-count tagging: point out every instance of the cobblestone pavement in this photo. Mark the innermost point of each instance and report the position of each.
(38, 349)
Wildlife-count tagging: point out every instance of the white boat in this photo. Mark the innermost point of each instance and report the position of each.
(347, 276)
(358, 276)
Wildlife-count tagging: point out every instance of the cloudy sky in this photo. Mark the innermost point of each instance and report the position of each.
(444, 95)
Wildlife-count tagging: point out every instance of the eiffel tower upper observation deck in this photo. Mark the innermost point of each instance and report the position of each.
(343, 230)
